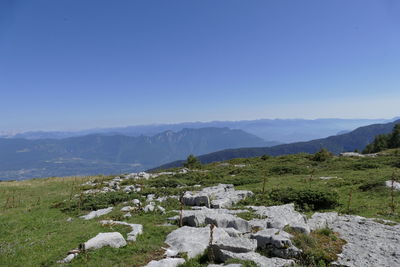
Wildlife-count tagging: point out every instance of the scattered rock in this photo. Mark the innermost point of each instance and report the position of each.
(149, 208)
(127, 208)
(137, 229)
(69, 258)
(97, 213)
(396, 185)
(327, 177)
(114, 240)
(351, 154)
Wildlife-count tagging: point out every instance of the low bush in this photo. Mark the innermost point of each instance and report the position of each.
(364, 166)
(322, 155)
(306, 199)
(371, 185)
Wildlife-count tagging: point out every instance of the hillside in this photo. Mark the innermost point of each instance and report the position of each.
(40, 218)
(357, 139)
(94, 154)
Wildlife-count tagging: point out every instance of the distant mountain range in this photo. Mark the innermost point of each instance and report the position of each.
(357, 139)
(107, 154)
(278, 130)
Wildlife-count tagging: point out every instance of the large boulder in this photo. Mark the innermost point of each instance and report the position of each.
(114, 240)
(193, 241)
(281, 216)
(97, 213)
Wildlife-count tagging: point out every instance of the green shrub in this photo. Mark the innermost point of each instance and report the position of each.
(306, 199)
(364, 166)
(322, 155)
(370, 185)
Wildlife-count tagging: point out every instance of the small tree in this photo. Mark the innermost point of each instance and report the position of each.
(192, 162)
(322, 155)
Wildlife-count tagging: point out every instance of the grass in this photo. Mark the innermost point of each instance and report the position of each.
(33, 214)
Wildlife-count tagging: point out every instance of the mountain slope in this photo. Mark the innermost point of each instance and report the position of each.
(94, 154)
(356, 139)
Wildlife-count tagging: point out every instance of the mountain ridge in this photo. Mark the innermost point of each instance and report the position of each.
(96, 153)
(357, 139)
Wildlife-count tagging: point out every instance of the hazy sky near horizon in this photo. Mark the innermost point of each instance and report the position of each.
(72, 64)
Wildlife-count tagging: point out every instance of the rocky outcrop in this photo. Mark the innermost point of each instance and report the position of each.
(369, 243)
(191, 240)
(322, 220)
(280, 216)
(220, 196)
(219, 217)
(276, 242)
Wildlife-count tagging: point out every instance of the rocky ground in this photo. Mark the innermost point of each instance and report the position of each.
(212, 226)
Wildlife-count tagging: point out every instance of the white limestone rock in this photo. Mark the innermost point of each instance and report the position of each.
(280, 216)
(219, 217)
(322, 220)
(396, 185)
(276, 242)
(369, 243)
(193, 241)
(137, 229)
(97, 213)
(114, 240)
(220, 196)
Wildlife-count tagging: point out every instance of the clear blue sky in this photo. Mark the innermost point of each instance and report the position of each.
(72, 64)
